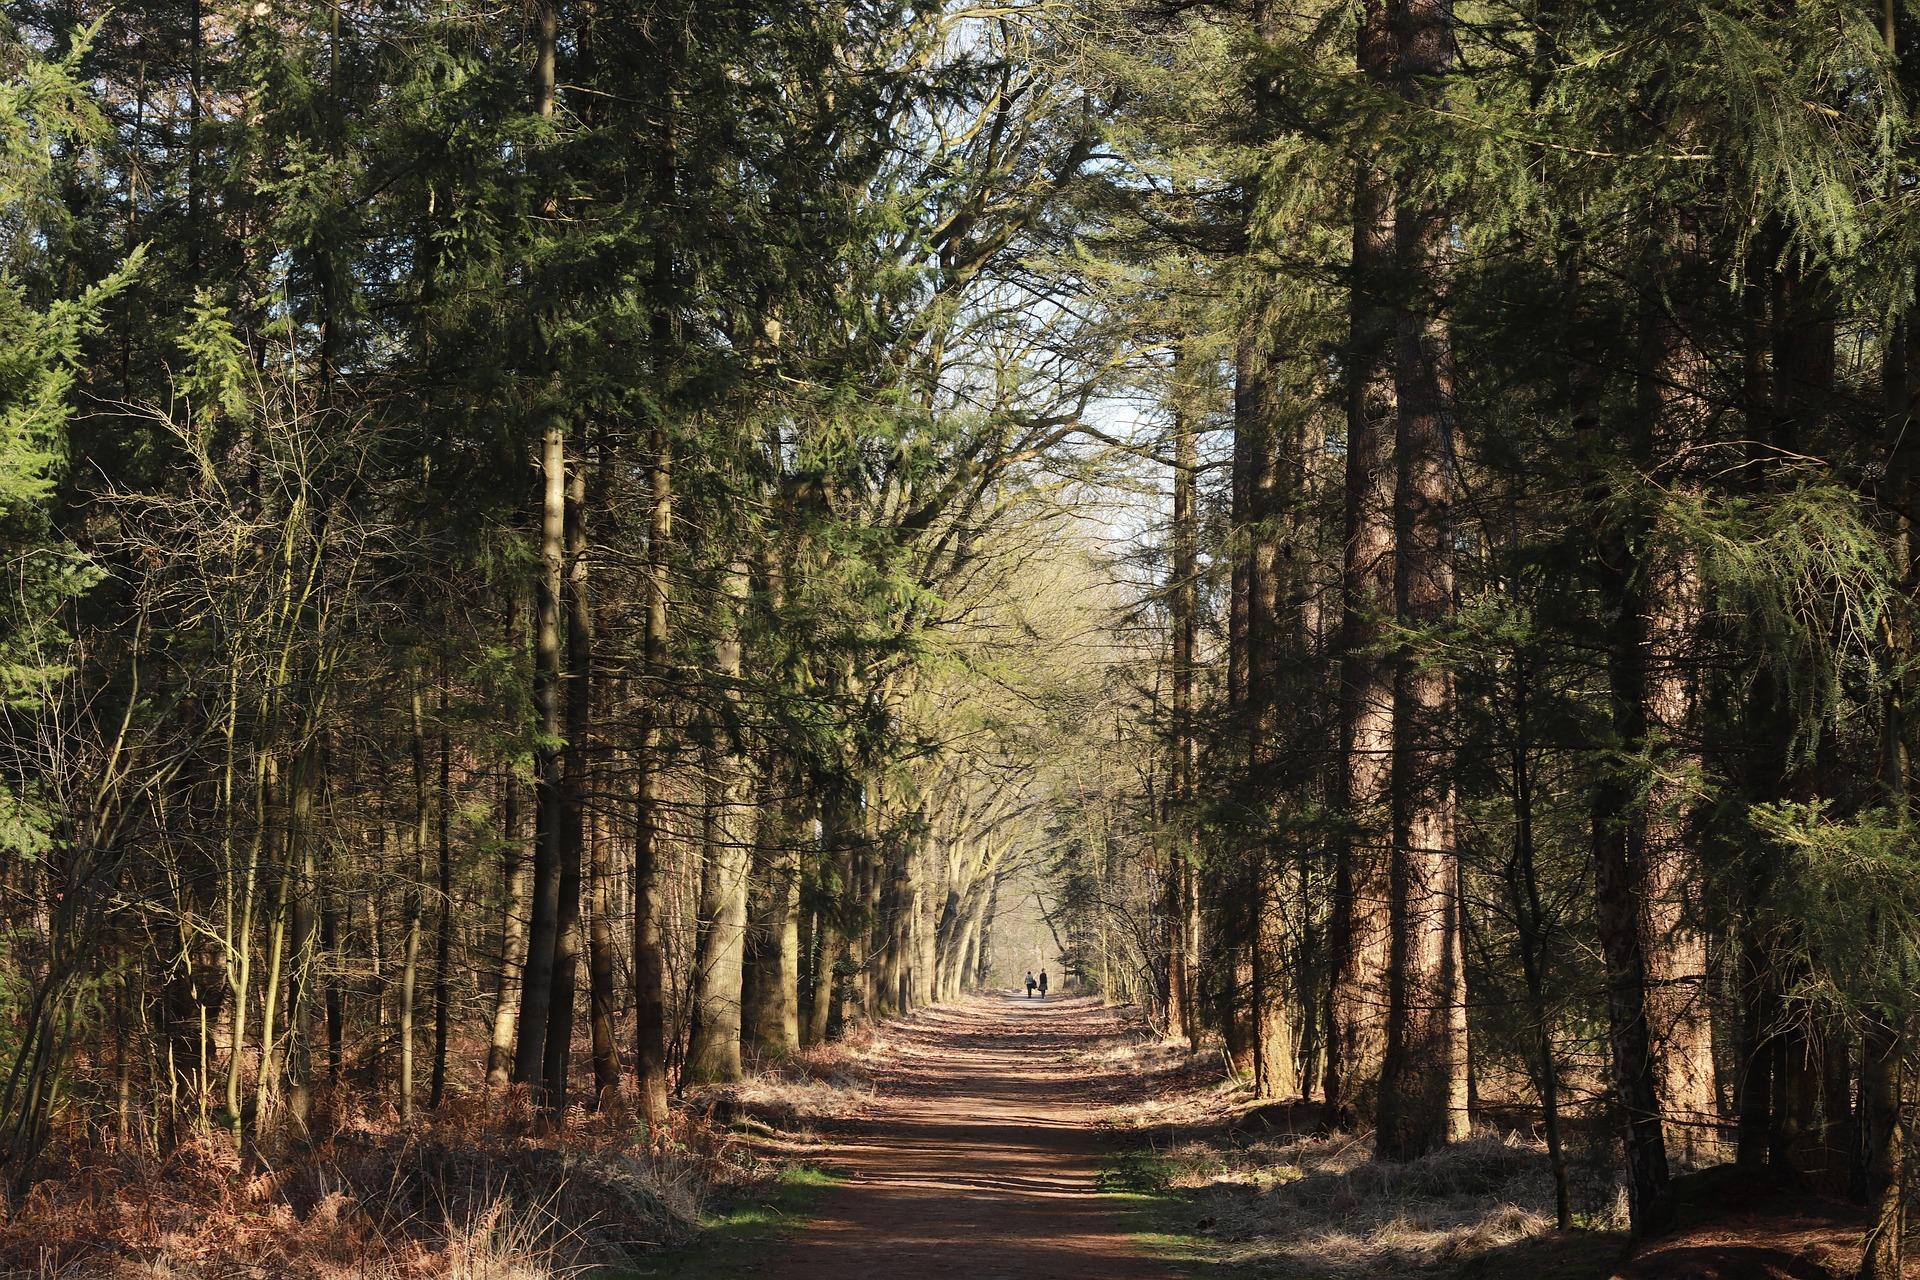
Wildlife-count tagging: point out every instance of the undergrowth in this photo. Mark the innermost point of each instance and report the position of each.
(471, 1192)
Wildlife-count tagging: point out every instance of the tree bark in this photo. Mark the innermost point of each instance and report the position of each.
(1676, 402)
(1882, 1082)
(713, 1050)
(301, 858)
(543, 929)
(649, 957)
(515, 886)
(443, 927)
(1183, 1021)
(415, 890)
(770, 1018)
(1423, 1089)
(1359, 928)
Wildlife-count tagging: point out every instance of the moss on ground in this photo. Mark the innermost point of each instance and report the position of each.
(734, 1239)
(1137, 1182)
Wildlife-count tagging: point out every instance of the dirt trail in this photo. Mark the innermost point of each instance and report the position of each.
(980, 1157)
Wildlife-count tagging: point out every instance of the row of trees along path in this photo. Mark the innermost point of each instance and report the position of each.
(630, 540)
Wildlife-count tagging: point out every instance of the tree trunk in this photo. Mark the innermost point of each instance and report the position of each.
(770, 1017)
(1634, 1079)
(515, 885)
(600, 985)
(713, 1051)
(1882, 1133)
(1359, 929)
(1276, 1072)
(1676, 402)
(839, 805)
(1183, 1020)
(1532, 924)
(443, 928)
(415, 890)
(301, 858)
(985, 946)
(1882, 1079)
(577, 706)
(1423, 1089)
(543, 929)
(1269, 486)
(649, 957)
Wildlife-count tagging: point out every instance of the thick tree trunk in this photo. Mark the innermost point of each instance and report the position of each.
(1676, 400)
(1269, 488)
(1882, 1080)
(1753, 1088)
(984, 963)
(543, 929)
(713, 1050)
(1634, 1076)
(770, 1018)
(575, 763)
(1883, 1041)
(1359, 928)
(1639, 1020)
(1276, 1071)
(600, 978)
(649, 956)
(891, 930)
(1423, 1089)
(1533, 923)
(839, 809)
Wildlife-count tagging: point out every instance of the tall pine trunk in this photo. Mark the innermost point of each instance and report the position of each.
(1676, 402)
(415, 891)
(713, 1049)
(543, 928)
(575, 758)
(1423, 1088)
(515, 886)
(1883, 1047)
(443, 926)
(649, 955)
(1182, 941)
(770, 1018)
(1274, 486)
(1359, 928)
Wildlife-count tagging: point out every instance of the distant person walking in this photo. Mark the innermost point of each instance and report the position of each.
(1030, 984)
(1043, 984)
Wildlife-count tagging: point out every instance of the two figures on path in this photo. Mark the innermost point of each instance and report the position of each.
(1042, 984)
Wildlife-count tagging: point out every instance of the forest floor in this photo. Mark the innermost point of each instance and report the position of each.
(1247, 1189)
(981, 1153)
(1007, 1139)
(1000, 1138)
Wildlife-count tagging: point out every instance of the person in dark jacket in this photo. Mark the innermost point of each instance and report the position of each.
(1043, 984)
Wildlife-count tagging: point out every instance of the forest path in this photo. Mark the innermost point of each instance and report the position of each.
(981, 1158)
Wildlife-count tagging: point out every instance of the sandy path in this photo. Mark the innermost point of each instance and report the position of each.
(980, 1157)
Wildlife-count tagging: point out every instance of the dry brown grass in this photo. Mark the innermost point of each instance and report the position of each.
(1324, 1206)
(1273, 1192)
(783, 1102)
(457, 1196)
(470, 1192)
